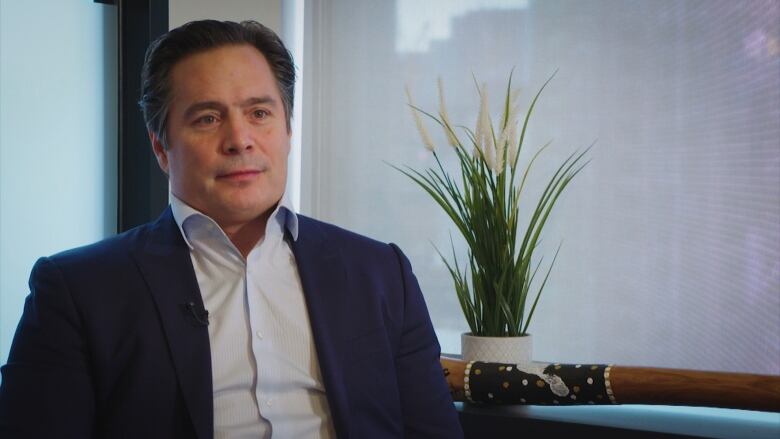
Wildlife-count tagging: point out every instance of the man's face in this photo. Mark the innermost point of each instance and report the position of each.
(227, 135)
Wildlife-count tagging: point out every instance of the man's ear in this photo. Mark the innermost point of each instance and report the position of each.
(159, 151)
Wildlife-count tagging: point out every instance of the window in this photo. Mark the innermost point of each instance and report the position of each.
(58, 117)
(670, 236)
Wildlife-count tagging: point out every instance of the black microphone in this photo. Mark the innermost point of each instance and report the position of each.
(198, 317)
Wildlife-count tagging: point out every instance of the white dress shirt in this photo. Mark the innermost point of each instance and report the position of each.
(265, 373)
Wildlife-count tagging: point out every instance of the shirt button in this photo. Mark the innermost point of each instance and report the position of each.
(269, 403)
(259, 335)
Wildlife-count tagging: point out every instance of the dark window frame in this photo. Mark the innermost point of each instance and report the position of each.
(142, 189)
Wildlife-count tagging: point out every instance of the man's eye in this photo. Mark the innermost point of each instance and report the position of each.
(260, 114)
(206, 120)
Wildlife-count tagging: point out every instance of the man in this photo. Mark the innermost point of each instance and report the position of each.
(230, 316)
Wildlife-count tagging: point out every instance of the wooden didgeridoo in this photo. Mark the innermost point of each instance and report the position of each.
(660, 386)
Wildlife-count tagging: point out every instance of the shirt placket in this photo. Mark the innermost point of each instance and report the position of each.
(261, 344)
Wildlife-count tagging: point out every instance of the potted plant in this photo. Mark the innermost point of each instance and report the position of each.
(500, 285)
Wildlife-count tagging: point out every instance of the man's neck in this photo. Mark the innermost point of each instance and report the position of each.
(246, 235)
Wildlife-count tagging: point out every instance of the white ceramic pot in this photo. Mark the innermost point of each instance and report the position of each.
(515, 350)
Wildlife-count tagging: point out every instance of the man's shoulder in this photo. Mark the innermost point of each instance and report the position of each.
(356, 250)
(109, 249)
(345, 239)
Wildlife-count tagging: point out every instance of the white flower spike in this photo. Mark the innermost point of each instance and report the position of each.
(508, 137)
(512, 118)
(483, 133)
(501, 150)
(445, 118)
(426, 138)
(513, 143)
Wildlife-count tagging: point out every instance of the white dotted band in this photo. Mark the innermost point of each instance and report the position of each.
(608, 385)
(466, 375)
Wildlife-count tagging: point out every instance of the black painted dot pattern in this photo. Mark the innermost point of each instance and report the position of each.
(499, 383)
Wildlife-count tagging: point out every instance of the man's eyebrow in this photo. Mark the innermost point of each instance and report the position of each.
(261, 100)
(220, 107)
(204, 105)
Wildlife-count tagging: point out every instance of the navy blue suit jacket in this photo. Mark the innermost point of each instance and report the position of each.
(107, 346)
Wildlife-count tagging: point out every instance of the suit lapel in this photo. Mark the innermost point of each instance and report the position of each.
(166, 266)
(323, 278)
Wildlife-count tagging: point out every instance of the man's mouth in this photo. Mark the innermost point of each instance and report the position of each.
(239, 175)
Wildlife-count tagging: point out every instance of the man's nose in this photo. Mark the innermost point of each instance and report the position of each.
(238, 138)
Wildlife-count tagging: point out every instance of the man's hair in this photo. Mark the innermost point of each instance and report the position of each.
(199, 36)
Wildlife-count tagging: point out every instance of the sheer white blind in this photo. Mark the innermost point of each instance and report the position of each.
(671, 236)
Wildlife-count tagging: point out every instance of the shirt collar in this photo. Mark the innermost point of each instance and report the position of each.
(283, 217)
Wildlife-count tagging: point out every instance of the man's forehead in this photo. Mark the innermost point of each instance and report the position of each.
(229, 69)
(223, 60)
(223, 51)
